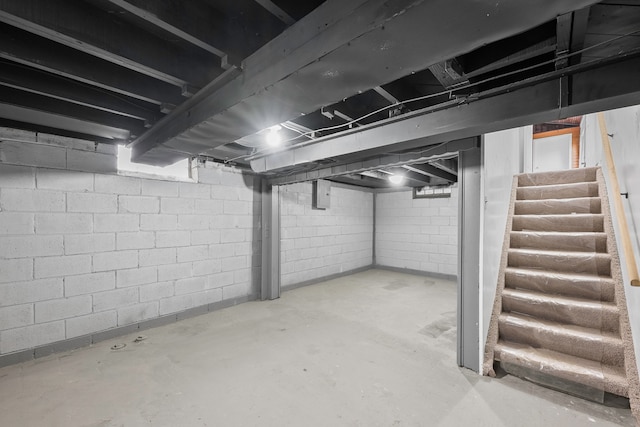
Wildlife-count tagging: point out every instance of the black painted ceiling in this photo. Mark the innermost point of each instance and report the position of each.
(208, 77)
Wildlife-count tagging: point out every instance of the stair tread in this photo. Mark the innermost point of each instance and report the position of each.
(588, 222)
(598, 263)
(581, 174)
(559, 299)
(563, 200)
(557, 191)
(566, 358)
(588, 286)
(565, 309)
(562, 275)
(560, 185)
(611, 379)
(534, 251)
(561, 329)
(569, 205)
(562, 233)
(572, 215)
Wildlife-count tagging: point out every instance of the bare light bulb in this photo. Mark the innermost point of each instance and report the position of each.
(273, 136)
(396, 179)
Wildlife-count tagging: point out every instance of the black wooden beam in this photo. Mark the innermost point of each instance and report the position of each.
(24, 48)
(281, 81)
(361, 181)
(80, 26)
(432, 153)
(603, 85)
(579, 32)
(482, 59)
(34, 127)
(537, 49)
(563, 39)
(433, 171)
(276, 11)
(43, 103)
(187, 23)
(447, 165)
(59, 124)
(39, 82)
(415, 179)
(231, 30)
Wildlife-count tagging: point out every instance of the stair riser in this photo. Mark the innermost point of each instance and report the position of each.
(562, 223)
(589, 264)
(558, 192)
(548, 282)
(605, 351)
(586, 315)
(557, 177)
(559, 242)
(557, 206)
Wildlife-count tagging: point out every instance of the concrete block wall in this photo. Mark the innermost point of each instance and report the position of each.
(417, 234)
(319, 243)
(83, 252)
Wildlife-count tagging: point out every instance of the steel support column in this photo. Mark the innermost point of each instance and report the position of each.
(469, 173)
(270, 242)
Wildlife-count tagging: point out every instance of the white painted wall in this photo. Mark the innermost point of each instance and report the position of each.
(624, 125)
(552, 153)
(417, 234)
(83, 252)
(505, 154)
(318, 243)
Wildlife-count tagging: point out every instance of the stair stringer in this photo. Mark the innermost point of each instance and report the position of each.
(630, 364)
(493, 333)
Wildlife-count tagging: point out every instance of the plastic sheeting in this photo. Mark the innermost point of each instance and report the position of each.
(594, 263)
(551, 178)
(560, 241)
(591, 344)
(574, 311)
(568, 223)
(578, 285)
(586, 189)
(574, 205)
(554, 370)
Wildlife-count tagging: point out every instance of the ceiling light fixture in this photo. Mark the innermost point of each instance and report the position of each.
(274, 138)
(396, 179)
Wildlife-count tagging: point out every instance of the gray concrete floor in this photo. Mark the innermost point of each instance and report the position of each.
(373, 349)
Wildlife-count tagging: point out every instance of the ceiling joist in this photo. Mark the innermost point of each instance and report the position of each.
(277, 11)
(33, 81)
(80, 27)
(434, 172)
(45, 55)
(415, 179)
(157, 13)
(43, 103)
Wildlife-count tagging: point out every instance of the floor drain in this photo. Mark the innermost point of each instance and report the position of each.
(118, 346)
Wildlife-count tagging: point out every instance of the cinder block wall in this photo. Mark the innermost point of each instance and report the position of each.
(83, 252)
(318, 243)
(417, 234)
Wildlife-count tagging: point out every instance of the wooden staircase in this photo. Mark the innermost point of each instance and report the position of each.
(557, 315)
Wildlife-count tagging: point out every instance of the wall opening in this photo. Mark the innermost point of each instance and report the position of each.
(181, 170)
